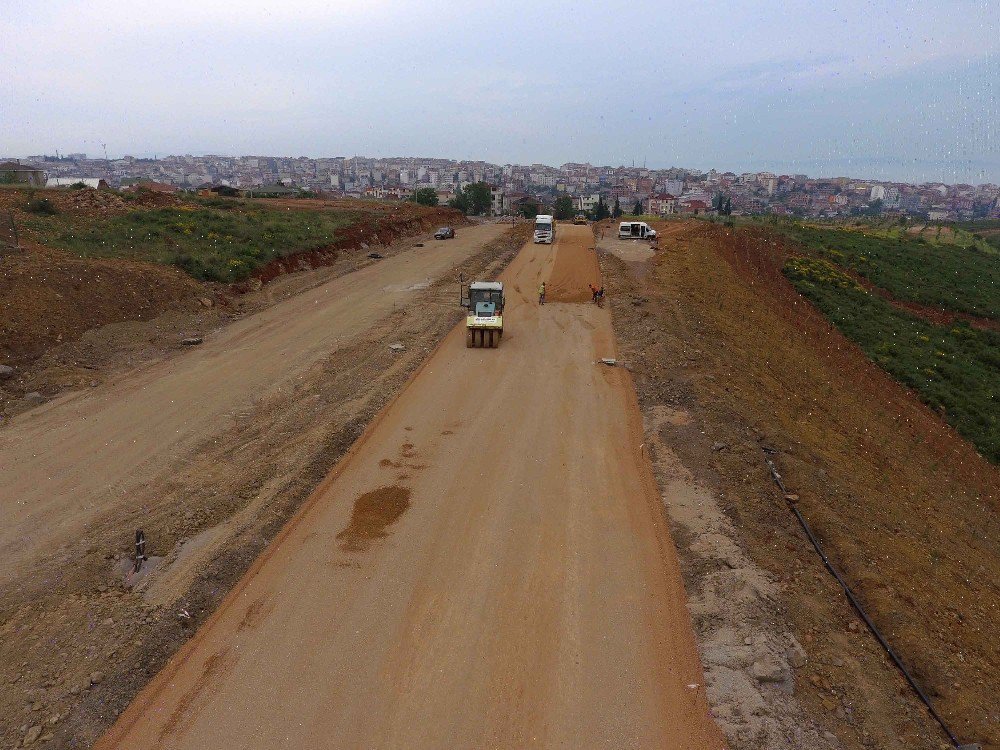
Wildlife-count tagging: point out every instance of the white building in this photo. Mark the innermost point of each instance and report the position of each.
(674, 187)
(91, 182)
(496, 200)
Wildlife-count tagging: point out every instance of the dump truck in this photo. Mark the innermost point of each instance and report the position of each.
(484, 301)
(545, 229)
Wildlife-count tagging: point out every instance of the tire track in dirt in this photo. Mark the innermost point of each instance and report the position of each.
(528, 594)
(210, 518)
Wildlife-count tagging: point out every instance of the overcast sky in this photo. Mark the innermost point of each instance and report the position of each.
(890, 89)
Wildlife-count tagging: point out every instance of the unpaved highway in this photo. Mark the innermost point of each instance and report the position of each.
(488, 567)
(83, 456)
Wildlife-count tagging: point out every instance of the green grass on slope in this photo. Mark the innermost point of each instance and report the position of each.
(949, 276)
(955, 369)
(210, 243)
(988, 231)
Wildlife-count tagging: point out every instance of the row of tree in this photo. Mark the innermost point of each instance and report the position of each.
(722, 205)
(473, 200)
(476, 200)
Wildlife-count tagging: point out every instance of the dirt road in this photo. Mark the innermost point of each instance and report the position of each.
(488, 567)
(83, 456)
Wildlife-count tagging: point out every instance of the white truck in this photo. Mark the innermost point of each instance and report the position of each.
(545, 229)
(635, 230)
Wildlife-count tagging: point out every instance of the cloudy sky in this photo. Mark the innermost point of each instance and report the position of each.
(889, 89)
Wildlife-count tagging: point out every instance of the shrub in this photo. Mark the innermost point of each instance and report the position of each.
(425, 196)
(41, 206)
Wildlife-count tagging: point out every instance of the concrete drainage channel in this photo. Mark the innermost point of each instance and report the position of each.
(792, 499)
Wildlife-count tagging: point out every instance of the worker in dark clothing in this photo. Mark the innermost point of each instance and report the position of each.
(600, 297)
(593, 293)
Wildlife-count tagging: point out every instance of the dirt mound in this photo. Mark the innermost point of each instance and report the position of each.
(49, 297)
(96, 202)
(574, 270)
(85, 202)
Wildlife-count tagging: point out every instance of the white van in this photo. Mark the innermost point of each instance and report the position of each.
(545, 229)
(635, 230)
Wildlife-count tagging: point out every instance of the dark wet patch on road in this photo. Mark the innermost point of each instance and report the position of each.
(373, 513)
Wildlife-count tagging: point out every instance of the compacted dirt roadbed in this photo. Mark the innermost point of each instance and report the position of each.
(75, 644)
(488, 567)
(80, 456)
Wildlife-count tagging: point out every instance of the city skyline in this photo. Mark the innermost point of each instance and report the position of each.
(520, 188)
(64, 154)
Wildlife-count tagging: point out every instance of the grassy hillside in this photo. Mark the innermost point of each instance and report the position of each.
(955, 368)
(217, 241)
(213, 239)
(949, 274)
(988, 231)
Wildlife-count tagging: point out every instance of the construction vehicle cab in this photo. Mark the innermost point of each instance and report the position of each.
(545, 229)
(484, 301)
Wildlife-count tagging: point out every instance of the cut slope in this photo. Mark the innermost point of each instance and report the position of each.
(905, 507)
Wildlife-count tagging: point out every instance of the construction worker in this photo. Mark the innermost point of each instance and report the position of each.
(600, 297)
(541, 294)
(593, 293)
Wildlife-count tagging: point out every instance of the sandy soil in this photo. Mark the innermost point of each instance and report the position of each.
(489, 566)
(48, 297)
(215, 505)
(80, 456)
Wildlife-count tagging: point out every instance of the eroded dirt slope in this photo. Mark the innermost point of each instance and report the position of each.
(729, 361)
(48, 297)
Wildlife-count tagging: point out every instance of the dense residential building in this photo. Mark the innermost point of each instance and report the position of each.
(16, 173)
(516, 187)
(661, 204)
